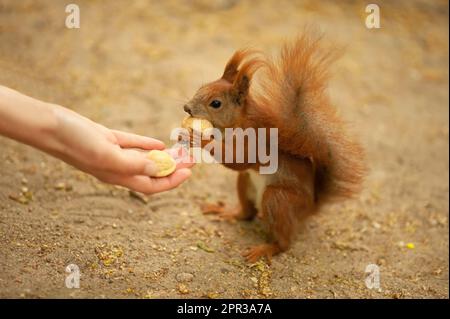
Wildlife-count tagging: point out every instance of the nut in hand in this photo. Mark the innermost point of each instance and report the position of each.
(164, 162)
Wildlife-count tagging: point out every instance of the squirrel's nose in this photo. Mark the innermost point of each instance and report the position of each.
(187, 109)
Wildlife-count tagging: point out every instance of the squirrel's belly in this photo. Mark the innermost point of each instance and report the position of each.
(257, 185)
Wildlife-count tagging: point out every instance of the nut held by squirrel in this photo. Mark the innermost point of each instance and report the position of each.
(190, 123)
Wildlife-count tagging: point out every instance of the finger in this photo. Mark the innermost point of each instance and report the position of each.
(148, 185)
(130, 140)
(185, 164)
(182, 157)
(130, 162)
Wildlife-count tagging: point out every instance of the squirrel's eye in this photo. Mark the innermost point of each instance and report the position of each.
(215, 104)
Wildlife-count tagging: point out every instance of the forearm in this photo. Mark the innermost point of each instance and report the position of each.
(28, 120)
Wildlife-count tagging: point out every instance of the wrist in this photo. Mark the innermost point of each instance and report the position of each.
(47, 132)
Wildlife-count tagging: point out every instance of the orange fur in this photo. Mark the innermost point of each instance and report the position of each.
(293, 98)
(318, 160)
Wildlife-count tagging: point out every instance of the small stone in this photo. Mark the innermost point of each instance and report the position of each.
(184, 277)
(60, 186)
(376, 225)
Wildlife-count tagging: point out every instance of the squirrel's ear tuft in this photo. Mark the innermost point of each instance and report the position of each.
(231, 69)
(241, 84)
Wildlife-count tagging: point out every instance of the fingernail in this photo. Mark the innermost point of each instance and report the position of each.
(150, 169)
(186, 172)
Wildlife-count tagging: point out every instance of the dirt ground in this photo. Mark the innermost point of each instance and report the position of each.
(133, 64)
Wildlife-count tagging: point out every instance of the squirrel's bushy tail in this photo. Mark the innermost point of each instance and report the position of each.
(294, 93)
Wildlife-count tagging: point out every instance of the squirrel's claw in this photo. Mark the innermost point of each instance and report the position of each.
(253, 254)
(208, 208)
(221, 212)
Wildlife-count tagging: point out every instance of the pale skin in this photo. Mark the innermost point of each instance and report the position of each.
(111, 156)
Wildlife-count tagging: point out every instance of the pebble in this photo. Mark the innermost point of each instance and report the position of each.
(184, 277)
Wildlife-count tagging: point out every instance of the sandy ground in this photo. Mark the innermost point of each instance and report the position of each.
(132, 65)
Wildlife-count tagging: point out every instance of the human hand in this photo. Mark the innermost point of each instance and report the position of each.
(112, 156)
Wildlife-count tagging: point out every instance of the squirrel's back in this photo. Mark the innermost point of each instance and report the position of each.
(293, 98)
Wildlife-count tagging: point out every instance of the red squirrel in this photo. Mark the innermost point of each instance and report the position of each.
(318, 161)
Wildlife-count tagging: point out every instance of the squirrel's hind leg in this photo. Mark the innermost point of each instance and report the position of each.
(281, 209)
